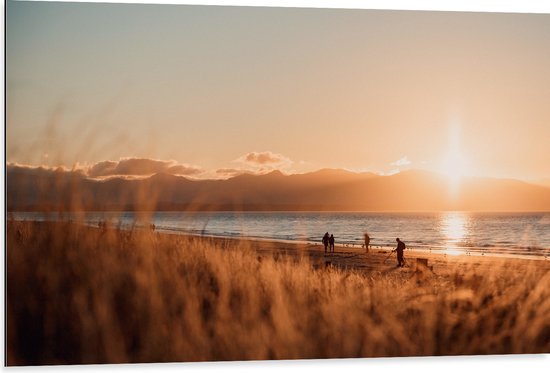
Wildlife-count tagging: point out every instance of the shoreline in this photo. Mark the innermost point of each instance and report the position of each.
(512, 247)
(451, 251)
(379, 260)
(428, 250)
(414, 251)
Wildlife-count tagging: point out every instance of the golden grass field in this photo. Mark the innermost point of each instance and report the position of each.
(82, 295)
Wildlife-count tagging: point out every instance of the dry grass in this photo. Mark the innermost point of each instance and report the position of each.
(80, 295)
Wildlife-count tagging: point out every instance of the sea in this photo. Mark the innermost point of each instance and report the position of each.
(525, 234)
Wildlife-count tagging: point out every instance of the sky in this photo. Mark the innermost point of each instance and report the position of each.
(209, 91)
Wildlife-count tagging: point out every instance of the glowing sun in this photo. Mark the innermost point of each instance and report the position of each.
(454, 166)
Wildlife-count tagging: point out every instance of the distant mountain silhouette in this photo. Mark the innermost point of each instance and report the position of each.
(323, 190)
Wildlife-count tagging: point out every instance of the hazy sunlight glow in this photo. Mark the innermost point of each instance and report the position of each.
(454, 165)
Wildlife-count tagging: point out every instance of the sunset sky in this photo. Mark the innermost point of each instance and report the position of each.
(208, 91)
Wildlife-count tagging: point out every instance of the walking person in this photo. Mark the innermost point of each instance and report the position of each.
(331, 241)
(325, 241)
(367, 242)
(400, 249)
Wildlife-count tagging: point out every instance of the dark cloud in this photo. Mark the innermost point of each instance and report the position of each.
(102, 168)
(21, 169)
(140, 167)
(125, 167)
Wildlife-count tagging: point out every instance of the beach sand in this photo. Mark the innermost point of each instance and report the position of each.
(78, 294)
(381, 259)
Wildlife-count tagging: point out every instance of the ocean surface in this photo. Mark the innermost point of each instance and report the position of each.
(516, 234)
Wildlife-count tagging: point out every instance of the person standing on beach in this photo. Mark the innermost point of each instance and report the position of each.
(400, 249)
(367, 242)
(331, 241)
(325, 241)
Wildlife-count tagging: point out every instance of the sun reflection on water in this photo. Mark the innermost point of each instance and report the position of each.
(454, 227)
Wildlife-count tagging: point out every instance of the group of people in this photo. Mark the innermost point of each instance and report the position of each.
(328, 242)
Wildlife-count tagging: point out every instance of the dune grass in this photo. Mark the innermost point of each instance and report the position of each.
(81, 295)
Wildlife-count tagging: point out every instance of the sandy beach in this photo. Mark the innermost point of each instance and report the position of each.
(79, 294)
(380, 259)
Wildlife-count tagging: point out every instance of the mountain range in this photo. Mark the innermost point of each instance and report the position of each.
(323, 190)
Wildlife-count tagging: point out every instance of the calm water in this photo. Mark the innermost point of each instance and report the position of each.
(451, 232)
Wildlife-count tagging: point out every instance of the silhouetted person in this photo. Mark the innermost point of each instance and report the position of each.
(400, 249)
(331, 241)
(325, 241)
(367, 241)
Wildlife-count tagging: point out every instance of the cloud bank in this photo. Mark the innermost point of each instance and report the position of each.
(43, 170)
(124, 167)
(255, 163)
(140, 167)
